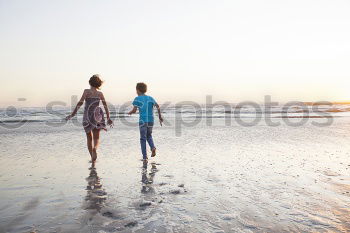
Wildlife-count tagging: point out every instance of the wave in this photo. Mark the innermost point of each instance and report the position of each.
(40, 115)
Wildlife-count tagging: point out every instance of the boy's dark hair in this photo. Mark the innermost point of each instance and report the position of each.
(95, 81)
(141, 87)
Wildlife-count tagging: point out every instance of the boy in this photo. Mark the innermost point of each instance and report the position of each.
(145, 105)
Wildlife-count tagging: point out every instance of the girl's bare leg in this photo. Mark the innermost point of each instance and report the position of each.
(89, 142)
(96, 137)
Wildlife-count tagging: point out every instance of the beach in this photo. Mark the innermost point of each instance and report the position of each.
(247, 103)
(210, 178)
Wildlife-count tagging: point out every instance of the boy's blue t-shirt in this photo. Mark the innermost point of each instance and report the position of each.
(145, 105)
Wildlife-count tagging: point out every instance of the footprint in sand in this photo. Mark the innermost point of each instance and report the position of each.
(330, 173)
(175, 192)
(131, 224)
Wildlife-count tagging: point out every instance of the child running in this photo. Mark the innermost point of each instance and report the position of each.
(145, 105)
(93, 119)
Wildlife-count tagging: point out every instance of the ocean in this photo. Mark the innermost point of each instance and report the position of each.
(217, 170)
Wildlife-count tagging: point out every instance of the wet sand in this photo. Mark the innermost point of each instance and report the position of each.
(210, 179)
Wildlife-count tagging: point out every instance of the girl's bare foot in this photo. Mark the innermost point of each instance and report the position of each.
(153, 152)
(94, 155)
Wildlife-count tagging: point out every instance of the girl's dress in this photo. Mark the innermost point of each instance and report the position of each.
(93, 115)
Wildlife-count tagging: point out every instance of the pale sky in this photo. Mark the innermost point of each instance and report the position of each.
(234, 50)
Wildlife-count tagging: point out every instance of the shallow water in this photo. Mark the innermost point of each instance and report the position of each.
(210, 179)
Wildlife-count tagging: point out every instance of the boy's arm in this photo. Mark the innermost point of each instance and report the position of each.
(81, 101)
(159, 114)
(134, 109)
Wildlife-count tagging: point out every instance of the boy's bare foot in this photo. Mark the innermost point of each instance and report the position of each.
(94, 155)
(153, 152)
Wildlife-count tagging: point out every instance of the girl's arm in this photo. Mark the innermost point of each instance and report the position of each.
(81, 101)
(109, 121)
(159, 114)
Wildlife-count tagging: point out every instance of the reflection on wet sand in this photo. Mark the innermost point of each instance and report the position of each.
(147, 178)
(96, 195)
(18, 220)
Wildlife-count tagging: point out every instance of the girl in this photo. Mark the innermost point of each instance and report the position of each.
(93, 120)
